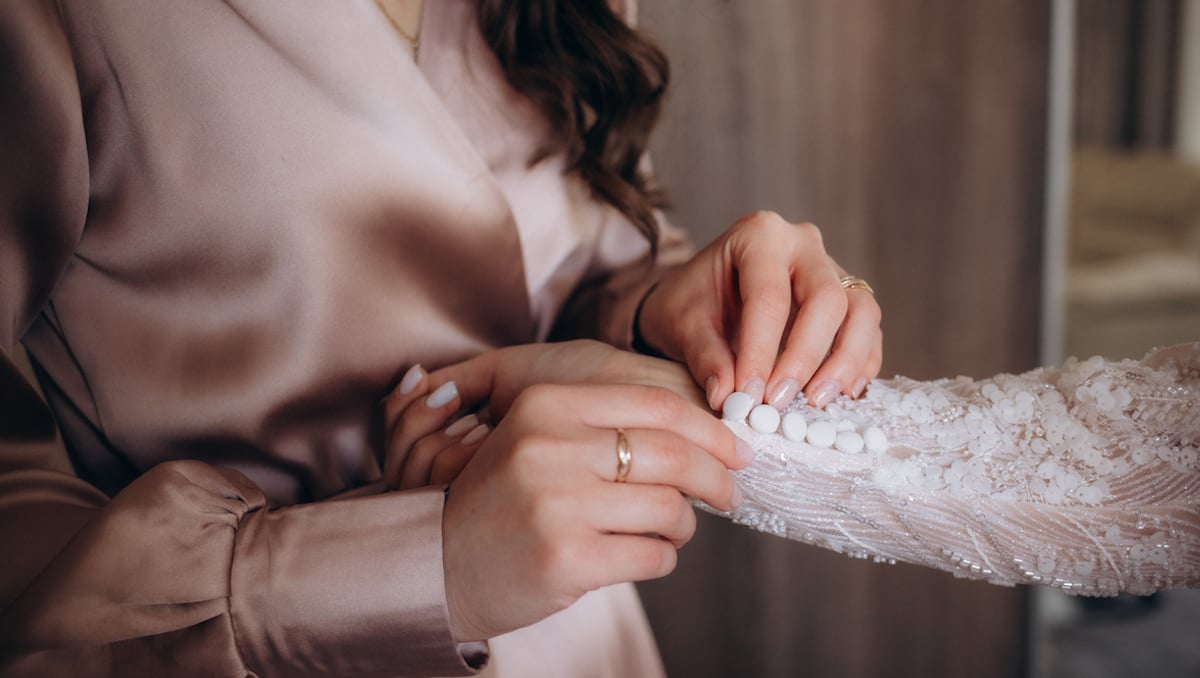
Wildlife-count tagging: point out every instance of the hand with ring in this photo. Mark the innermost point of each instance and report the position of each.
(764, 310)
(430, 439)
(578, 487)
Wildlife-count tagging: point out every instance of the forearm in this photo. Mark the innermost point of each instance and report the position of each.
(1084, 478)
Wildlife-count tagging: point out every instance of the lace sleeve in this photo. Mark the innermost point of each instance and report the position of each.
(1084, 477)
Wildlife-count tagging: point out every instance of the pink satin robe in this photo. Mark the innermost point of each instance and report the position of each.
(226, 228)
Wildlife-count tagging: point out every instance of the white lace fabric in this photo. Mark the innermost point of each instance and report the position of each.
(1084, 477)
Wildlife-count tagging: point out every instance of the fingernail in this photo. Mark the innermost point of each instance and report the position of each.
(412, 378)
(462, 425)
(476, 434)
(859, 387)
(743, 451)
(785, 393)
(710, 391)
(736, 500)
(442, 396)
(754, 388)
(825, 393)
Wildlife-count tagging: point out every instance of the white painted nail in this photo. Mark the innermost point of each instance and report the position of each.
(414, 376)
(442, 396)
(462, 425)
(825, 394)
(784, 394)
(710, 391)
(477, 434)
(754, 388)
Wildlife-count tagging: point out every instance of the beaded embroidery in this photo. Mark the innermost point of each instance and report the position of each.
(1084, 477)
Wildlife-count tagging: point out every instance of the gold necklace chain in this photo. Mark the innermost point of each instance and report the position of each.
(413, 40)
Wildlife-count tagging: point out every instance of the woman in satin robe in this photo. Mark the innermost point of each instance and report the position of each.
(229, 229)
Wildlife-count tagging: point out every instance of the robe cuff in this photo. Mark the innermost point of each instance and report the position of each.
(347, 587)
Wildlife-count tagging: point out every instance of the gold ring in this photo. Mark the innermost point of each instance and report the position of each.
(624, 457)
(851, 282)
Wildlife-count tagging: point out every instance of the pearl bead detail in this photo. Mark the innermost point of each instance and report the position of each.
(849, 442)
(794, 427)
(875, 440)
(737, 406)
(821, 434)
(764, 419)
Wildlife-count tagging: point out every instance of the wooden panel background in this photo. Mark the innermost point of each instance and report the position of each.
(913, 133)
(1126, 53)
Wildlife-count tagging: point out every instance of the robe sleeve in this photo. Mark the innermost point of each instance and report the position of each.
(186, 571)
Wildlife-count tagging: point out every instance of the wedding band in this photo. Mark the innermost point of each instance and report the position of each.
(624, 457)
(851, 282)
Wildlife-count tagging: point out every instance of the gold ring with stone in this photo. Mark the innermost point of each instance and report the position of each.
(624, 457)
(851, 282)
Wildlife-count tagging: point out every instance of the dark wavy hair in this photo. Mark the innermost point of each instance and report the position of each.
(599, 83)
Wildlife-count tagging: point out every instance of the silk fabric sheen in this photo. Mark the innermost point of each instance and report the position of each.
(226, 228)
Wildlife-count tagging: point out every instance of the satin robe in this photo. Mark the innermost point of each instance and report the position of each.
(226, 228)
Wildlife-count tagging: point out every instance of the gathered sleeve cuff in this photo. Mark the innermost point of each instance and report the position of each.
(347, 587)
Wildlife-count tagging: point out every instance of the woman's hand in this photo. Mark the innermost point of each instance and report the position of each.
(536, 518)
(429, 443)
(761, 310)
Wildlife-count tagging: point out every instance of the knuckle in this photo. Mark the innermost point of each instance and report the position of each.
(675, 457)
(810, 234)
(776, 303)
(687, 523)
(532, 400)
(757, 219)
(661, 404)
(556, 558)
(660, 559)
(870, 311)
(441, 466)
(666, 502)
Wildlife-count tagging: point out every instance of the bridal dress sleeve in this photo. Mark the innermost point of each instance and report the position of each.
(1084, 477)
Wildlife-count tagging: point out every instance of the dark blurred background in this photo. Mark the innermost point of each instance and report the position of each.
(1018, 181)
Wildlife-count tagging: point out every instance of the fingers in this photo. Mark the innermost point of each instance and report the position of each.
(438, 457)
(614, 558)
(665, 459)
(821, 314)
(416, 421)
(644, 509)
(711, 362)
(766, 295)
(856, 356)
(612, 406)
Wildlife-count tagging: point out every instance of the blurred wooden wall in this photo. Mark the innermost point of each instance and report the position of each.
(913, 133)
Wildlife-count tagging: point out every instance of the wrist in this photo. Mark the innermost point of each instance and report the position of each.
(642, 343)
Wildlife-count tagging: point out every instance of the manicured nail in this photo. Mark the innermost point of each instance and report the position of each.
(737, 495)
(414, 376)
(859, 386)
(744, 452)
(785, 393)
(462, 425)
(825, 393)
(476, 434)
(710, 391)
(754, 388)
(442, 396)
